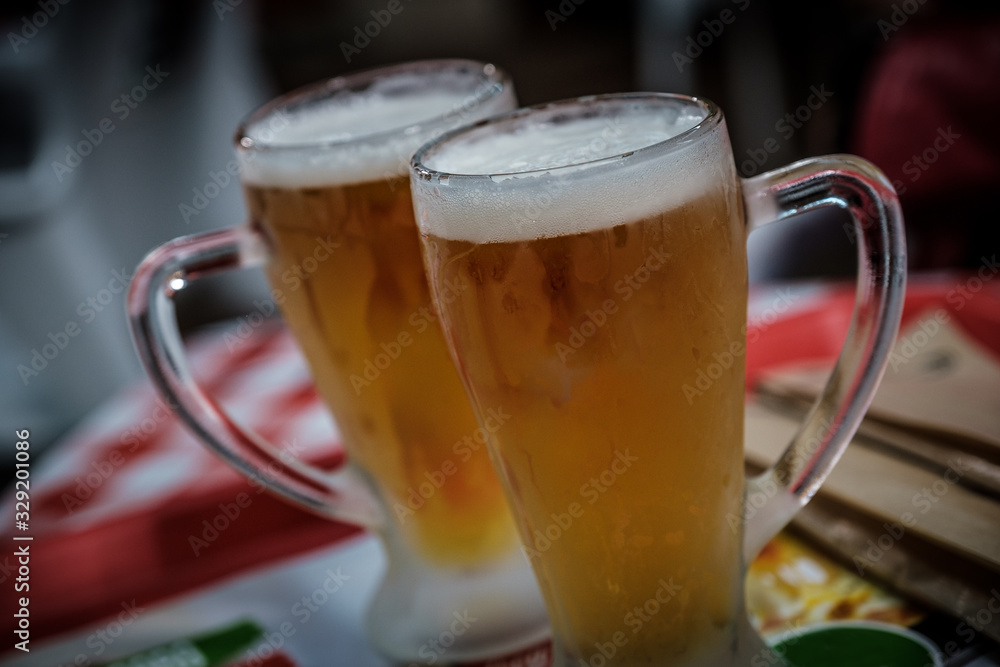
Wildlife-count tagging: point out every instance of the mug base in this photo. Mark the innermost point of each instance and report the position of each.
(424, 615)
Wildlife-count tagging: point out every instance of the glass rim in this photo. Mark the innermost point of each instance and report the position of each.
(488, 72)
(713, 117)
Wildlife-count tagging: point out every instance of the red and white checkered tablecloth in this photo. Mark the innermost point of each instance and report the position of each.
(119, 507)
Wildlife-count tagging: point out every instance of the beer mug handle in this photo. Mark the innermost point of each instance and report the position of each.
(864, 192)
(153, 322)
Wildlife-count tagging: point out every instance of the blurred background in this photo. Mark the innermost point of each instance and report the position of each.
(116, 122)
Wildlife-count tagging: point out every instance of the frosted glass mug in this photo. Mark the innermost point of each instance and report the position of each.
(603, 240)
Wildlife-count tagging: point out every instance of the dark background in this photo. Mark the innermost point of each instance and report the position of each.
(897, 74)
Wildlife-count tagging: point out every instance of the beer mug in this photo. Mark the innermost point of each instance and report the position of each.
(324, 172)
(604, 242)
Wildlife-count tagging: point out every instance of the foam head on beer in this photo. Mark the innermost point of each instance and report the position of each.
(550, 175)
(354, 136)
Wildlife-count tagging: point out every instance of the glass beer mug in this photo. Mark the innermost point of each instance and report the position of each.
(604, 242)
(324, 172)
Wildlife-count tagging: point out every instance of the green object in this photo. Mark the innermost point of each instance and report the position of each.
(856, 645)
(205, 650)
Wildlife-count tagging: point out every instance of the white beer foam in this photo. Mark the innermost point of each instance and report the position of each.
(527, 197)
(293, 153)
(548, 145)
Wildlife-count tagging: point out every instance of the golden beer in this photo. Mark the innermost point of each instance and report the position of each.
(347, 273)
(591, 330)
